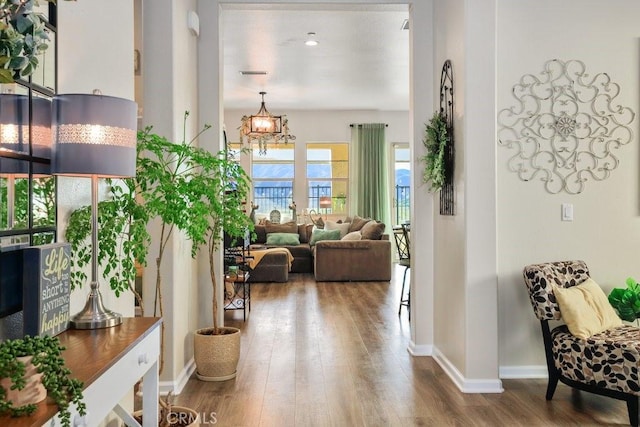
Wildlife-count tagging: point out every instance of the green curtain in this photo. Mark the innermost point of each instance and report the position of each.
(370, 186)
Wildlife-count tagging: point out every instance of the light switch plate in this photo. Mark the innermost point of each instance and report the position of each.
(567, 212)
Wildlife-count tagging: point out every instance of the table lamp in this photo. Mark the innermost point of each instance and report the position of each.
(95, 136)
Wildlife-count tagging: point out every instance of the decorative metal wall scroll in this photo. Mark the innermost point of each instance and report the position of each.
(446, 109)
(565, 127)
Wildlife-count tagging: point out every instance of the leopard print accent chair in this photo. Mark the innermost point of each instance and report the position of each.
(606, 363)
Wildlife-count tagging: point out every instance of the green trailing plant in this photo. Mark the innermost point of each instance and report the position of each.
(626, 301)
(47, 358)
(435, 141)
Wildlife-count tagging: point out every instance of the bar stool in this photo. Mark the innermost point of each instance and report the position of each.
(401, 235)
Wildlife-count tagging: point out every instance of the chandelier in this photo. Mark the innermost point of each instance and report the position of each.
(265, 128)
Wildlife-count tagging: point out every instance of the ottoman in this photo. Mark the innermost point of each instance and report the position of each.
(273, 267)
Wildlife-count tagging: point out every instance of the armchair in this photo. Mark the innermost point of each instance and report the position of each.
(606, 363)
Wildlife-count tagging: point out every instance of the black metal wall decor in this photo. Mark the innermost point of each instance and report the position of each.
(447, 204)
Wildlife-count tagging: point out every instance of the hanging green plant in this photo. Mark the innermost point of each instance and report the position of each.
(435, 141)
(56, 377)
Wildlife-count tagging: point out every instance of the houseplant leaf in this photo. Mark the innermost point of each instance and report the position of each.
(626, 301)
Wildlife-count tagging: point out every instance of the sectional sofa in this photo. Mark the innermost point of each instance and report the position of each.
(352, 250)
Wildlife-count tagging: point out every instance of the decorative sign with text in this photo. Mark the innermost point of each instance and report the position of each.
(46, 289)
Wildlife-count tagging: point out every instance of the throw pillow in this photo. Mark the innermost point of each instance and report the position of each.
(287, 227)
(354, 235)
(261, 234)
(357, 223)
(332, 225)
(281, 239)
(304, 234)
(319, 235)
(585, 309)
(372, 230)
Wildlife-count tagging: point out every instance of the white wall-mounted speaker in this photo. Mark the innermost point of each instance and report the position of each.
(193, 23)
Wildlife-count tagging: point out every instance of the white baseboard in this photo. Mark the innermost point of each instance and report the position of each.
(178, 384)
(419, 350)
(524, 371)
(466, 385)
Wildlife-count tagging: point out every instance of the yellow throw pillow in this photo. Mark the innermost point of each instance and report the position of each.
(585, 309)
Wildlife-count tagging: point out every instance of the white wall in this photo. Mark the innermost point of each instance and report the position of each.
(449, 231)
(422, 95)
(464, 284)
(606, 228)
(170, 88)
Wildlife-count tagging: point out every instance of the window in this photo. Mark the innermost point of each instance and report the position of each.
(27, 190)
(401, 181)
(272, 175)
(328, 177)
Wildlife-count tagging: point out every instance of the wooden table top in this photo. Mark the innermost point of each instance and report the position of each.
(89, 354)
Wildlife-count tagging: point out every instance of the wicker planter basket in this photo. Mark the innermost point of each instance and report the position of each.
(216, 356)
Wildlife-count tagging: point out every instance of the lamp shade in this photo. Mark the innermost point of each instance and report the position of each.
(94, 135)
(14, 122)
(41, 127)
(325, 202)
(13, 167)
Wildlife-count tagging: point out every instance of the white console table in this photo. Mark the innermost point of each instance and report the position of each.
(109, 362)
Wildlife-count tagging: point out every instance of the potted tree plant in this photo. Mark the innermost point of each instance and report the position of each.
(32, 368)
(188, 188)
(219, 193)
(160, 189)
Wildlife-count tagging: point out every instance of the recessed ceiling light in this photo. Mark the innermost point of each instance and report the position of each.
(253, 73)
(311, 39)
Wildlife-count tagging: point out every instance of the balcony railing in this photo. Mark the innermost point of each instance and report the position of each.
(402, 203)
(338, 203)
(270, 198)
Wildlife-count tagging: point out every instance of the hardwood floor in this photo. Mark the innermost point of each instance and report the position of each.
(335, 354)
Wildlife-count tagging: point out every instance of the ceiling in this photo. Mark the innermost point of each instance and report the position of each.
(360, 63)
